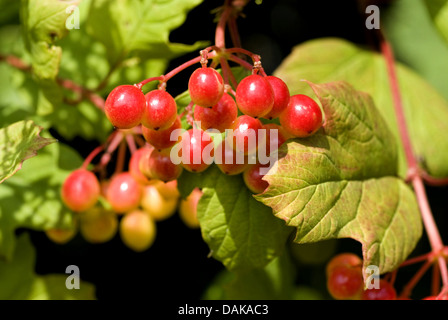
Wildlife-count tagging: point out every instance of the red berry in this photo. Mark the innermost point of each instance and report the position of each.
(254, 96)
(196, 150)
(385, 292)
(124, 107)
(161, 110)
(124, 192)
(158, 165)
(80, 190)
(302, 117)
(244, 134)
(344, 259)
(220, 116)
(228, 160)
(134, 164)
(281, 96)
(206, 87)
(253, 178)
(161, 139)
(344, 282)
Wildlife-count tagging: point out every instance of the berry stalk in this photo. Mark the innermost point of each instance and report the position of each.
(413, 170)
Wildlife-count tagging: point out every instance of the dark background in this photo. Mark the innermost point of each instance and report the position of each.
(176, 266)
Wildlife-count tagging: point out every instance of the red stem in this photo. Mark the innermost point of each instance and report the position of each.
(220, 37)
(432, 181)
(131, 143)
(90, 157)
(406, 292)
(240, 61)
(435, 286)
(114, 142)
(417, 181)
(120, 157)
(142, 83)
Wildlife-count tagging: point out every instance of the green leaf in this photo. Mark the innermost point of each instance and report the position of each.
(19, 142)
(409, 28)
(341, 182)
(273, 282)
(139, 28)
(19, 282)
(439, 12)
(31, 198)
(326, 60)
(241, 232)
(44, 22)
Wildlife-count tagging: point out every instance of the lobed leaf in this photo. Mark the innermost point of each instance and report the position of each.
(342, 183)
(19, 142)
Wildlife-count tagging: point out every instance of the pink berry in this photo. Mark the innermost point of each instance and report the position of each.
(161, 110)
(220, 116)
(80, 190)
(254, 96)
(205, 86)
(124, 107)
(302, 117)
(124, 192)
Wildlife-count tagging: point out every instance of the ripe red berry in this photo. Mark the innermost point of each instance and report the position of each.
(196, 150)
(302, 117)
(228, 160)
(344, 282)
(254, 96)
(161, 139)
(253, 178)
(124, 107)
(344, 259)
(158, 165)
(124, 192)
(206, 87)
(385, 292)
(281, 96)
(80, 190)
(161, 110)
(244, 134)
(134, 164)
(220, 116)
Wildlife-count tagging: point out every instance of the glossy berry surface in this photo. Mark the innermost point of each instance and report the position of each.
(302, 117)
(124, 107)
(161, 139)
(158, 165)
(220, 116)
(137, 230)
(80, 190)
(344, 283)
(254, 96)
(254, 179)
(161, 110)
(206, 87)
(124, 192)
(244, 135)
(385, 292)
(230, 161)
(196, 150)
(281, 96)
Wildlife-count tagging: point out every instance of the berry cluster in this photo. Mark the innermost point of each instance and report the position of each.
(128, 203)
(237, 126)
(243, 117)
(345, 280)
